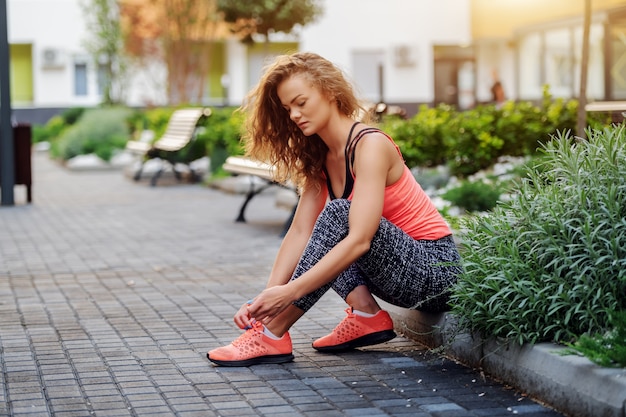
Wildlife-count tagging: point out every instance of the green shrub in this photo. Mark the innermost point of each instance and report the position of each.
(217, 136)
(155, 120)
(50, 131)
(472, 140)
(137, 122)
(474, 195)
(72, 115)
(522, 127)
(56, 125)
(99, 131)
(474, 145)
(422, 137)
(550, 265)
(222, 130)
(221, 136)
(606, 349)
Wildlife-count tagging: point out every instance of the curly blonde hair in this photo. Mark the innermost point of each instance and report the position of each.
(271, 136)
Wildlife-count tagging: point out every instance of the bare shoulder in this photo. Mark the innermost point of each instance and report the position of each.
(375, 142)
(376, 152)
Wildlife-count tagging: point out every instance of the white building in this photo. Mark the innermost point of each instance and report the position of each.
(49, 65)
(405, 52)
(50, 68)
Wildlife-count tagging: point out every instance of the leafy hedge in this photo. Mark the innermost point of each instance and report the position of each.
(467, 141)
(56, 125)
(99, 131)
(472, 140)
(104, 131)
(550, 265)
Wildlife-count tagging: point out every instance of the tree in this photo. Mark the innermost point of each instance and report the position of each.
(106, 47)
(178, 32)
(262, 17)
(584, 70)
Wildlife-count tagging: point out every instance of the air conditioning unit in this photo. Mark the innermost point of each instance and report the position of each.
(403, 56)
(52, 58)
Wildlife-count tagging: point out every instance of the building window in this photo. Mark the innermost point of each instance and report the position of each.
(367, 72)
(595, 78)
(530, 74)
(80, 79)
(553, 57)
(617, 58)
(559, 62)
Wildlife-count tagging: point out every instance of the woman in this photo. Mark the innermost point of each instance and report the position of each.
(363, 225)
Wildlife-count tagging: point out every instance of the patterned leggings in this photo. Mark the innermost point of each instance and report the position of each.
(398, 269)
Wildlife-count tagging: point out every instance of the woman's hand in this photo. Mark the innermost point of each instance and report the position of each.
(242, 318)
(267, 305)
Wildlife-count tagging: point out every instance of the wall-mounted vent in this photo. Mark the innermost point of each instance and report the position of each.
(52, 58)
(403, 56)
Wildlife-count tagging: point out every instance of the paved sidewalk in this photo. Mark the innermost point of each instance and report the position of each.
(111, 292)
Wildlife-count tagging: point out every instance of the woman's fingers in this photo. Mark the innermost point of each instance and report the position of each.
(242, 317)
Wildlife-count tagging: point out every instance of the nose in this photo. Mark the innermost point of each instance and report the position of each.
(294, 114)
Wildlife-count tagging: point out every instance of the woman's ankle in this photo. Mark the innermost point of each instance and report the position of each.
(283, 322)
(362, 300)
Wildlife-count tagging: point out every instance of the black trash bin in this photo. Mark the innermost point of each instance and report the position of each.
(22, 149)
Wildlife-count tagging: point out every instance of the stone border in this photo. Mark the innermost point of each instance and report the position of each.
(569, 383)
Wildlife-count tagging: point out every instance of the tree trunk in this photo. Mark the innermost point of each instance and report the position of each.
(582, 98)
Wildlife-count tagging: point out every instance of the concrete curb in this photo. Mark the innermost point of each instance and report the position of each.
(571, 384)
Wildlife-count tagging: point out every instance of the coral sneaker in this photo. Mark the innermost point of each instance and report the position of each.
(252, 348)
(356, 331)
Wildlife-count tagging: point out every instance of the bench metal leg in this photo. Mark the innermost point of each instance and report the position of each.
(241, 217)
(156, 176)
(137, 175)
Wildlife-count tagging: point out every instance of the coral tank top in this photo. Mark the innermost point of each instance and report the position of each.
(406, 204)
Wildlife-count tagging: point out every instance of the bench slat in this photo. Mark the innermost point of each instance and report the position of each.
(246, 166)
(606, 106)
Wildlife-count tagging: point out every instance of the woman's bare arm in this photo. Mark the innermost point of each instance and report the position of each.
(376, 158)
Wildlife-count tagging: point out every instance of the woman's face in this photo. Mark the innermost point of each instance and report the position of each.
(306, 105)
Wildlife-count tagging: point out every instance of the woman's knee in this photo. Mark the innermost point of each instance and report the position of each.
(336, 211)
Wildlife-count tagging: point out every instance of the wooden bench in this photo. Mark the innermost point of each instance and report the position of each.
(239, 165)
(616, 109)
(178, 137)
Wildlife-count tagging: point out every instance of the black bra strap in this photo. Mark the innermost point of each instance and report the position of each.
(351, 146)
(349, 155)
(349, 180)
(328, 184)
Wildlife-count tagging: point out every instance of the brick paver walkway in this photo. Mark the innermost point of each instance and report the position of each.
(111, 292)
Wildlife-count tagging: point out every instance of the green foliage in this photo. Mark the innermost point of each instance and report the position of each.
(607, 349)
(71, 115)
(474, 145)
(56, 125)
(221, 136)
(474, 195)
(266, 16)
(222, 130)
(218, 135)
(155, 120)
(550, 265)
(472, 140)
(99, 131)
(48, 132)
(421, 137)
